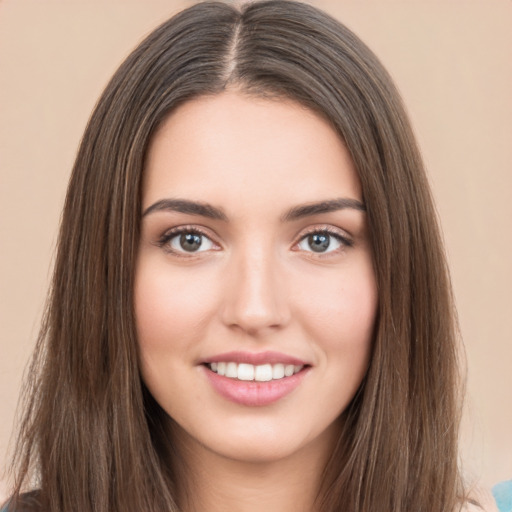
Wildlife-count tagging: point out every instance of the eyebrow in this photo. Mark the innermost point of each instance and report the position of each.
(187, 206)
(297, 212)
(332, 205)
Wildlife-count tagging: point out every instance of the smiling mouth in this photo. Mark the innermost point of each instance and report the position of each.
(250, 372)
(255, 379)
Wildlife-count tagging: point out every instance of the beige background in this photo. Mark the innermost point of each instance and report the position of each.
(452, 60)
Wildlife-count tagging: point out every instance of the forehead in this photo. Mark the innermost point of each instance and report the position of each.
(233, 149)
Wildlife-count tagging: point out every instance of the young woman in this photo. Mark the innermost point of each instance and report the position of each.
(250, 308)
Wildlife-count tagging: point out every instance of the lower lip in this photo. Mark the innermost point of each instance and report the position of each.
(253, 393)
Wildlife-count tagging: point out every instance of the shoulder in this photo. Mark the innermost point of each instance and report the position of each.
(499, 499)
(27, 502)
(479, 499)
(502, 493)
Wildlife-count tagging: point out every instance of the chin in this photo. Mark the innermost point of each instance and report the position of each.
(267, 442)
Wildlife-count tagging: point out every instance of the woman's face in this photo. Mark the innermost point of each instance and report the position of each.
(255, 295)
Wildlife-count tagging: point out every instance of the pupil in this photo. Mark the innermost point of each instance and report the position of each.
(318, 242)
(190, 241)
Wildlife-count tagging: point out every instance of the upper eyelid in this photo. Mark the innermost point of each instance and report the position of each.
(332, 230)
(205, 230)
(193, 228)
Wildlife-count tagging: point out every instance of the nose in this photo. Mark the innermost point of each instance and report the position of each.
(255, 297)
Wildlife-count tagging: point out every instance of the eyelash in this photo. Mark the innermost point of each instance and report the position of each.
(169, 235)
(164, 240)
(343, 240)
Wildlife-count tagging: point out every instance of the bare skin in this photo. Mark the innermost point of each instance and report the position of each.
(287, 485)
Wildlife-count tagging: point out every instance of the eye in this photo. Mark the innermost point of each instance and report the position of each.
(323, 241)
(186, 240)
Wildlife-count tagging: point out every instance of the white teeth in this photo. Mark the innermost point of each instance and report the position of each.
(263, 373)
(278, 371)
(231, 370)
(245, 372)
(288, 370)
(260, 373)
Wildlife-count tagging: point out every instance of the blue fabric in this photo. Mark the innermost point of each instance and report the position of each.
(502, 493)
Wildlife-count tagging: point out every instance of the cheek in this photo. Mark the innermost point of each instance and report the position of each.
(341, 325)
(341, 308)
(171, 309)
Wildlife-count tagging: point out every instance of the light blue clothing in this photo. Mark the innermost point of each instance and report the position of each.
(502, 493)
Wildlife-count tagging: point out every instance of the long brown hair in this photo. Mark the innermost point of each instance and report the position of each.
(92, 438)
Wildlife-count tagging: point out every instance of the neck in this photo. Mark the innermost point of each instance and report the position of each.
(209, 481)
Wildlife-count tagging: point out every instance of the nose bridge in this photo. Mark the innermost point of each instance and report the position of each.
(255, 298)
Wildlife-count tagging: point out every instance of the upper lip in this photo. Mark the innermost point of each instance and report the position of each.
(255, 358)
